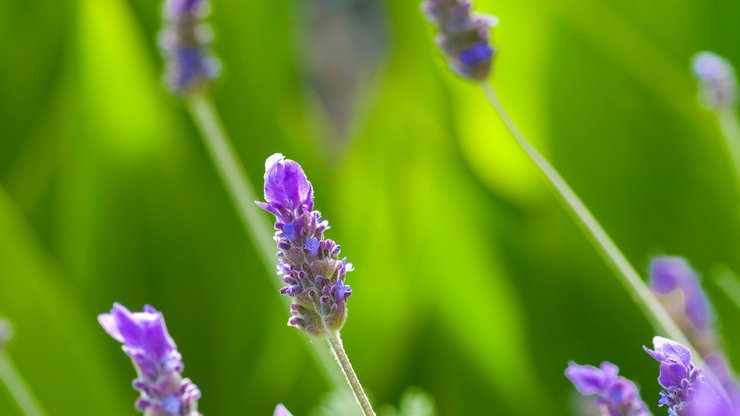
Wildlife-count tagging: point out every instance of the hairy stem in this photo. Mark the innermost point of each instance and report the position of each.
(335, 343)
(240, 189)
(628, 276)
(17, 387)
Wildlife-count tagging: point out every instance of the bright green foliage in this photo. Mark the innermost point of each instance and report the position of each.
(471, 281)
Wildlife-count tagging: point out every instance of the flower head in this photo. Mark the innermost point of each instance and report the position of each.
(678, 375)
(184, 44)
(145, 339)
(616, 395)
(669, 274)
(717, 82)
(463, 36)
(309, 262)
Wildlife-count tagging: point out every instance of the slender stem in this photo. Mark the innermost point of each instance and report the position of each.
(628, 276)
(17, 387)
(335, 343)
(240, 189)
(730, 128)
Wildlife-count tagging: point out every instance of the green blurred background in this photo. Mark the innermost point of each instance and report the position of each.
(471, 283)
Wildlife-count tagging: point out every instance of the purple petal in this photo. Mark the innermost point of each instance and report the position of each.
(280, 410)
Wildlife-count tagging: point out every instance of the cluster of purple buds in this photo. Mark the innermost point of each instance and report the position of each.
(158, 363)
(717, 82)
(309, 263)
(679, 290)
(685, 390)
(678, 375)
(463, 36)
(184, 43)
(617, 396)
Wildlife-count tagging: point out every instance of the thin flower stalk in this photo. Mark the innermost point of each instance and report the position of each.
(190, 71)
(309, 262)
(718, 92)
(460, 11)
(17, 387)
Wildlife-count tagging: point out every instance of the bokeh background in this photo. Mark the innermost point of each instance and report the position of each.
(472, 283)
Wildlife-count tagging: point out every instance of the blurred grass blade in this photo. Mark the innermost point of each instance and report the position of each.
(18, 388)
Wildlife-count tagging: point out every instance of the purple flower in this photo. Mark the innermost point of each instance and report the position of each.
(680, 292)
(617, 396)
(184, 44)
(669, 274)
(678, 375)
(280, 410)
(145, 339)
(717, 82)
(463, 36)
(309, 263)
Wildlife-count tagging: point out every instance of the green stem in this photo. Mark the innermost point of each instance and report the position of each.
(17, 387)
(240, 189)
(730, 128)
(335, 343)
(628, 276)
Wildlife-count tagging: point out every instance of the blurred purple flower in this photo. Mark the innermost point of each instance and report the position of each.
(717, 82)
(184, 45)
(668, 274)
(309, 263)
(463, 36)
(617, 396)
(280, 410)
(680, 291)
(158, 363)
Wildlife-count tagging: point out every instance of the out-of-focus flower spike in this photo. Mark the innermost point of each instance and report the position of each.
(308, 262)
(717, 81)
(184, 42)
(163, 391)
(679, 290)
(280, 410)
(615, 395)
(463, 36)
(690, 309)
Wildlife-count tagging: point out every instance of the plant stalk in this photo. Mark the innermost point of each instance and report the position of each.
(335, 343)
(17, 387)
(240, 190)
(628, 276)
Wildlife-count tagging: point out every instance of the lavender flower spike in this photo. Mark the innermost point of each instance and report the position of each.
(617, 396)
(673, 274)
(309, 263)
(678, 375)
(184, 45)
(717, 82)
(463, 36)
(145, 339)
